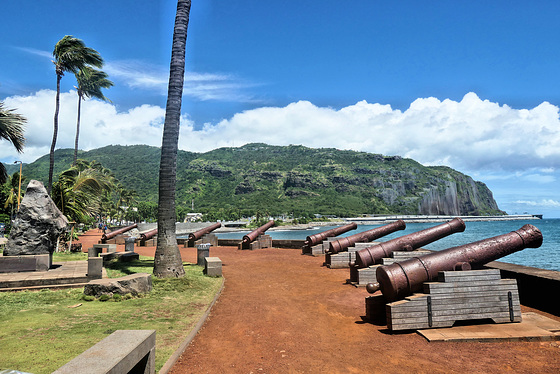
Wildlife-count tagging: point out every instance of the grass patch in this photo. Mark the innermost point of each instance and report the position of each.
(42, 330)
(69, 256)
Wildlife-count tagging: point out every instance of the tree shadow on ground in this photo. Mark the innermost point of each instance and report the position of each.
(131, 267)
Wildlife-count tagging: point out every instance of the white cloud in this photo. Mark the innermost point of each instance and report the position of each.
(201, 86)
(548, 203)
(101, 124)
(473, 135)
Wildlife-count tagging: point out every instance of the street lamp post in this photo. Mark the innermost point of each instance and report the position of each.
(19, 188)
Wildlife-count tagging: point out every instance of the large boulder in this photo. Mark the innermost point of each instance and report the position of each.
(38, 224)
(134, 284)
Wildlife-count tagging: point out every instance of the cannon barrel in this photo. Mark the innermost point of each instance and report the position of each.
(208, 229)
(372, 255)
(367, 236)
(402, 279)
(148, 235)
(312, 240)
(250, 237)
(112, 234)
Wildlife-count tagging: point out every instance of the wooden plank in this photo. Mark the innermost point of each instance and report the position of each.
(434, 288)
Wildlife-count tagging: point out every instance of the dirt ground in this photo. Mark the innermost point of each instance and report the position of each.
(282, 312)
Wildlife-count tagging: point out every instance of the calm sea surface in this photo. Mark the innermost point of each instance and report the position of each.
(545, 257)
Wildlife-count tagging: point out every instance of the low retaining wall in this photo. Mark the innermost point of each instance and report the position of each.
(124, 351)
(538, 288)
(292, 244)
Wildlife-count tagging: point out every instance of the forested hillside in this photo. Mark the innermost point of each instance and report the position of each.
(264, 179)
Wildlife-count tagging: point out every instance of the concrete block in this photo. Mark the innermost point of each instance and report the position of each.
(44, 262)
(213, 266)
(124, 351)
(202, 250)
(95, 268)
(109, 247)
(16, 264)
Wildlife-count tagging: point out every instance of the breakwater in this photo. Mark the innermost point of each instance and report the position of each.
(380, 220)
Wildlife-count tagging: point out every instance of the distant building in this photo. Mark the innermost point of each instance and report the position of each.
(193, 217)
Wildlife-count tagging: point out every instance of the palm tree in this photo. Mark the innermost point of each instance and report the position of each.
(11, 129)
(70, 54)
(90, 83)
(167, 259)
(12, 199)
(78, 191)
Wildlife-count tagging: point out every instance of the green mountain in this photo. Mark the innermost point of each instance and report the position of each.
(290, 179)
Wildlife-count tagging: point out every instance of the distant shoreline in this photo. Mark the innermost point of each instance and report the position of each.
(186, 228)
(439, 218)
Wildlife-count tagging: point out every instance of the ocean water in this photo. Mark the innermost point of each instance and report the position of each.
(547, 256)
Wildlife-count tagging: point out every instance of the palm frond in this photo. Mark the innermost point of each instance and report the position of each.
(12, 127)
(71, 54)
(91, 81)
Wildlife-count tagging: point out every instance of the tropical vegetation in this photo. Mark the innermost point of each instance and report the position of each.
(79, 191)
(90, 85)
(11, 129)
(259, 179)
(70, 55)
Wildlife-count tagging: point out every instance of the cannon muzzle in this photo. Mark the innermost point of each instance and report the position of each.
(402, 279)
(250, 237)
(312, 240)
(148, 234)
(208, 229)
(342, 244)
(374, 254)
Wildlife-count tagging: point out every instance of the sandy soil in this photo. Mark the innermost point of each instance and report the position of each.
(282, 312)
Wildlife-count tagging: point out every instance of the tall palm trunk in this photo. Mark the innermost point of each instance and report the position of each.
(55, 131)
(167, 259)
(77, 129)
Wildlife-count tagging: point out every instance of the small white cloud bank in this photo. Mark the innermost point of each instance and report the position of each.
(546, 203)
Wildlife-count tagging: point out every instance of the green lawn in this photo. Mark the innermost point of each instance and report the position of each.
(42, 330)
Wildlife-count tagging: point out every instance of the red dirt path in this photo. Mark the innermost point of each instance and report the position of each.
(282, 312)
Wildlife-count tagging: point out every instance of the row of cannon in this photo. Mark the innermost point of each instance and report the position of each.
(401, 279)
(250, 237)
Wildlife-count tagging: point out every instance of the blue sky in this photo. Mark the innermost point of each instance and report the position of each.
(468, 84)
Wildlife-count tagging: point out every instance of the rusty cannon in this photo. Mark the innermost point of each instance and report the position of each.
(373, 255)
(312, 240)
(207, 230)
(402, 279)
(148, 234)
(112, 234)
(250, 237)
(343, 244)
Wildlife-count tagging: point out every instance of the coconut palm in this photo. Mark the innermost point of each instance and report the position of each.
(70, 55)
(78, 191)
(11, 129)
(90, 82)
(167, 259)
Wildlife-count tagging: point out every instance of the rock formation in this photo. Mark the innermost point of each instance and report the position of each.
(38, 224)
